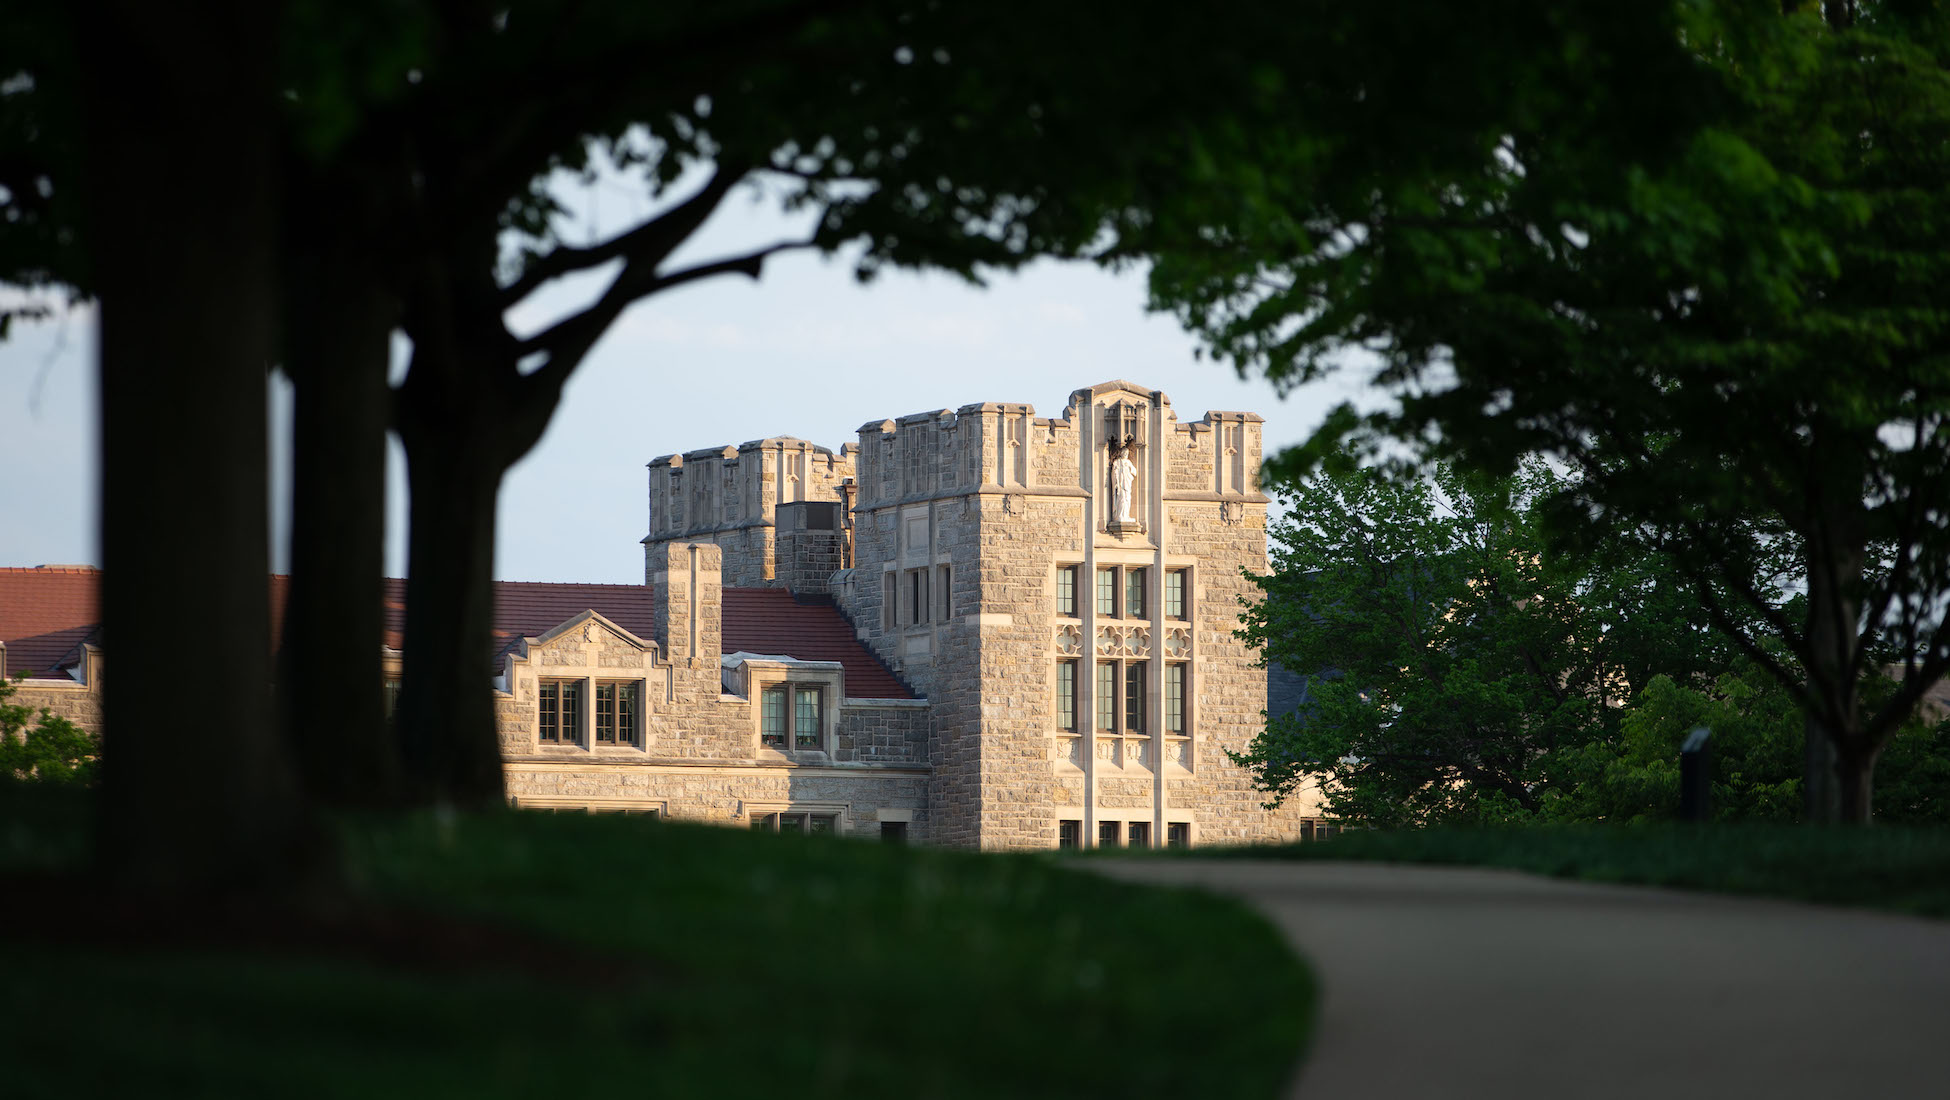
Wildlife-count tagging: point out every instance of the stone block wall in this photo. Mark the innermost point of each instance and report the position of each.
(892, 732)
(728, 796)
(808, 558)
(78, 703)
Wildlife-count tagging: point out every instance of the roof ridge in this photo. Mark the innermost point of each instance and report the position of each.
(44, 570)
(567, 584)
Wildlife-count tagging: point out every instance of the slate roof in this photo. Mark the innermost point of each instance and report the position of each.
(770, 620)
(47, 613)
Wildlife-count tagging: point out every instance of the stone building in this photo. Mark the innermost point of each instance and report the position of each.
(975, 628)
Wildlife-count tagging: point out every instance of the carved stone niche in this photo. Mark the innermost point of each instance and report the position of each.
(1123, 468)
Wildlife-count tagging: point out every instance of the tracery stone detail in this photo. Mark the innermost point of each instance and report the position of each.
(1069, 640)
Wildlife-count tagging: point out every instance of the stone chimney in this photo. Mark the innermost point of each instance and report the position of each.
(688, 587)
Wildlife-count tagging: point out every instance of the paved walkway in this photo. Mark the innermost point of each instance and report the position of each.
(1460, 983)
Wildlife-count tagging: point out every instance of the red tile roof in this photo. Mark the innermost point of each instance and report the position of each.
(529, 609)
(769, 620)
(47, 613)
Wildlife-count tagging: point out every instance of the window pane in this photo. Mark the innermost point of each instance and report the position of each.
(626, 714)
(1134, 696)
(1106, 591)
(944, 592)
(1107, 834)
(606, 712)
(1068, 833)
(1066, 695)
(792, 823)
(1134, 593)
(1140, 834)
(1174, 698)
(571, 712)
(889, 602)
(1106, 696)
(764, 823)
(1175, 594)
(773, 718)
(825, 823)
(551, 724)
(1066, 590)
(893, 832)
(805, 718)
(1178, 834)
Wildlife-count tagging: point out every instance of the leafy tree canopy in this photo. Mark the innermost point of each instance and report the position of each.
(1461, 669)
(1754, 755)
(1701, 262)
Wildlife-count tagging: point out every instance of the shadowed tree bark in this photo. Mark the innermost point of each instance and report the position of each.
(340, 311)
(196, 790)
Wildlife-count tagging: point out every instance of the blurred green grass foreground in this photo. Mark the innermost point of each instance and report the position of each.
(528, 954)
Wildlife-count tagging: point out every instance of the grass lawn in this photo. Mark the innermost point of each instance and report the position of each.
(1901, 869)
(676, 960)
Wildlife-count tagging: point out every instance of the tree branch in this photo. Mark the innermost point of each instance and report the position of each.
(648, 244)
(569, 340)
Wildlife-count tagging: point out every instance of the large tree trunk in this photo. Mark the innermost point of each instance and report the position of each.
(340, 321)
(446, 714)
(1855, 776)
(1836, 552)
(196, 789)
(1821, 798)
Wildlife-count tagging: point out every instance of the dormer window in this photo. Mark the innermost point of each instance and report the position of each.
(790, 716)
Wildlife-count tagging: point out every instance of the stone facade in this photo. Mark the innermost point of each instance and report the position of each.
(731, 496)
(958, 527)
(954, 639)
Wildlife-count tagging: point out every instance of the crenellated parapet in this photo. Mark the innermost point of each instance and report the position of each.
(731, 496)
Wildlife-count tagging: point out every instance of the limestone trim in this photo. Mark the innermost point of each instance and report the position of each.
(842, 811)
(1187, 496)
(720, 769)
(658, 806)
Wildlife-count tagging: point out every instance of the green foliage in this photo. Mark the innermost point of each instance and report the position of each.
(1759, 731)
(806, 966)
(1694, 250)
(51, 751)
(1461, 672)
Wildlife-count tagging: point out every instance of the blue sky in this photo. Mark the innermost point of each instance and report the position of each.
(805, 351)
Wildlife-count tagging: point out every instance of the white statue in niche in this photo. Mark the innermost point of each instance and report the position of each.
(1123, 473)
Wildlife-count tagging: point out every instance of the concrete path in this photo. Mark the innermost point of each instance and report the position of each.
(1459, 983)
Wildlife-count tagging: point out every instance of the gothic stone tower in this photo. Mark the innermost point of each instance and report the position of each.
(1074, 638)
